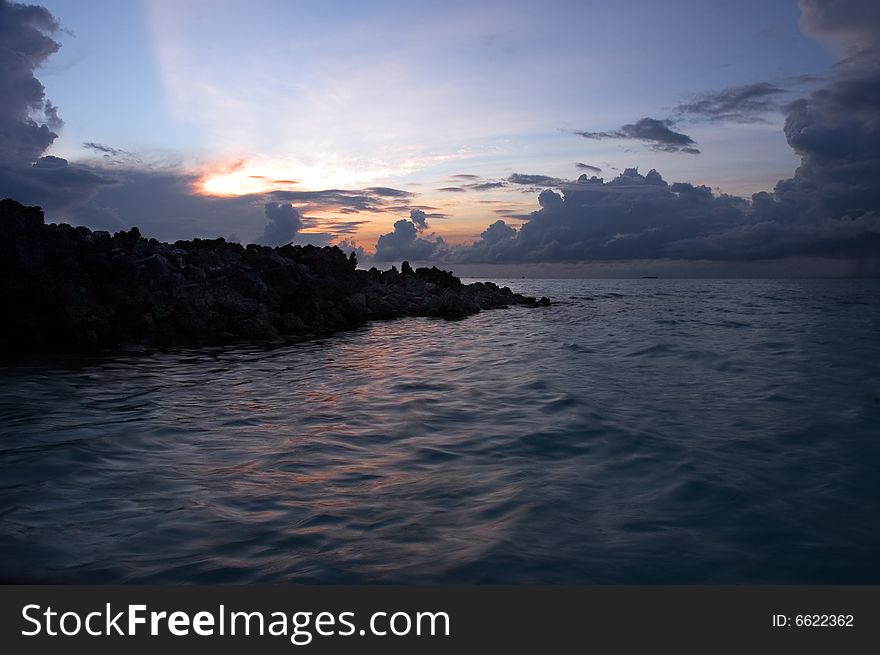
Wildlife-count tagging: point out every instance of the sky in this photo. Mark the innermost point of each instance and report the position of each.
(560, 138)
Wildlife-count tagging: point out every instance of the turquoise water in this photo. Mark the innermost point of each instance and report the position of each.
(637, 431)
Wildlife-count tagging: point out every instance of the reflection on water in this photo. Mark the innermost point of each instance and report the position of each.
(637, 431)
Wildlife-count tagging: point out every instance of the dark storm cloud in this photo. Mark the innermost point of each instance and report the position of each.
(656, 133)
(836, 130)
(740, 104)
(849, 25)
(28, 121)
(587, 167)
(284, 223)
(25, 43)
(52, 183)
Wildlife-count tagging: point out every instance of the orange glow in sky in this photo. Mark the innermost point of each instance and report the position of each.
(239, 178)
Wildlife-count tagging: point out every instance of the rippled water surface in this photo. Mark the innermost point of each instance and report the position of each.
(637, 431)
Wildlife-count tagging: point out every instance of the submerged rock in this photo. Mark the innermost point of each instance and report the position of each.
(64, 287)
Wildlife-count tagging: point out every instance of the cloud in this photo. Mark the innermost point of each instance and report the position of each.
(404, 242)
(52, 183)
(587, 167)
(351, 201)
(535, 180)
(485, 186)
(656, 133)
(339, 228)
(117, 190)
(549, 199)
(419, 219)
(348, 246)
(28, 121)
(25, 44)
(161, 201)
(828, 210)
(475, 183)
(738, 104)
(836, 130)
(492, 246)
(848, 26)
(641, 217)
(388, 192)
(104, 149)
(498, 231)
(284, 222)
(633, 216)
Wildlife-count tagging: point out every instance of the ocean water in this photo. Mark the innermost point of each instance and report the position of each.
(637, 431)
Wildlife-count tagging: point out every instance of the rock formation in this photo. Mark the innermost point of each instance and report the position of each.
(64, 287)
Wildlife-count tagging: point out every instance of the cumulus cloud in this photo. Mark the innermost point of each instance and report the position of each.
(836, 130)
(549, 199)
(493, 245)
(848, 26)
(633, 216)
(419, 219)
(738, 104)
(28, 120)
(656, 133)
(404, 242)
(498, 231)
(830, 207)
(284, 223)
(637, 217)
(25, 44)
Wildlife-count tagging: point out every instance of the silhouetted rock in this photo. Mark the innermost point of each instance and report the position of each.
(63, 287)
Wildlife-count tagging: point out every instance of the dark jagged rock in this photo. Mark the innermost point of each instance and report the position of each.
(64, 287)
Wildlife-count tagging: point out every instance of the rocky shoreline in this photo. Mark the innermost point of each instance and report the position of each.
(67, 288)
